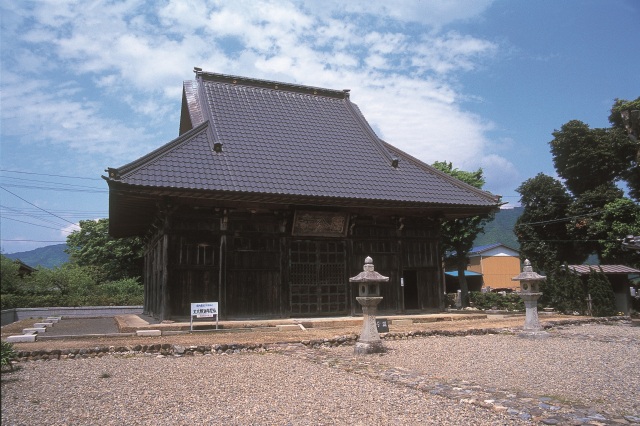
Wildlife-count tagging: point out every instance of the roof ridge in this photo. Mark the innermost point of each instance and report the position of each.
(270, 84)
(118, 173)
(453, 180)
(362, 121)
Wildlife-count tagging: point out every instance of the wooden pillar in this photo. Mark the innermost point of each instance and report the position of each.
(164, 255)
(222, 271)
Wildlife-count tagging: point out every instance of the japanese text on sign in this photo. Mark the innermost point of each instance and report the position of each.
(204, 310)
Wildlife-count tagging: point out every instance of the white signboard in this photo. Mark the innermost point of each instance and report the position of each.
(204, 310)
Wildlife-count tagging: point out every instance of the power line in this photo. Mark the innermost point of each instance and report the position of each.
(45, 174)
(53, 188)
(5, 216)
(32, 241)
(564, 219)
(28, 202)
(35, 224)
(48, 182)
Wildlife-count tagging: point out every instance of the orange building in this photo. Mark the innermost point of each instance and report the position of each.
(498, 264)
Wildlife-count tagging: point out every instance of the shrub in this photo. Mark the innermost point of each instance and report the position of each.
(123, 292)
(603, 300)
(7, 354)
(564, 291)
(508, 302)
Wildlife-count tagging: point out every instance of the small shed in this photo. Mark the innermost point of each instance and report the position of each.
(619, 276)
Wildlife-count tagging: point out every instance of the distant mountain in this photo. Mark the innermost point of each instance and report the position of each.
(46, 257)
(500, 229)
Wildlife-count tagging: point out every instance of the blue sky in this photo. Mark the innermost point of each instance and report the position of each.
(87, 85)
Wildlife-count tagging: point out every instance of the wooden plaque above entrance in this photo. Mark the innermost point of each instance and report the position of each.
(321, 224)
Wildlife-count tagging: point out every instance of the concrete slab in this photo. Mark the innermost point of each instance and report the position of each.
(148, 333)
(34, 329)
(53, 319)
(22, 338)
(287, 327)
(43, 324)
(401, 322)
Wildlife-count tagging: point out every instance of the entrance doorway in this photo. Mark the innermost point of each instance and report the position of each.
(410, 289)
(317, 278)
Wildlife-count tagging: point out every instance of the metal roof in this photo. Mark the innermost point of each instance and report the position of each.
(482, 249)
(466, 273)
(607, 269)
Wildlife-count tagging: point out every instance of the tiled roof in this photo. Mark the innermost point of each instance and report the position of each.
(288, 140)
(607, 269)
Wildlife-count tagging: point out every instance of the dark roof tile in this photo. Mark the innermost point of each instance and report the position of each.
(289, 141)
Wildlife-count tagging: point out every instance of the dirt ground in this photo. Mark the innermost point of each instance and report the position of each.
(262, 335)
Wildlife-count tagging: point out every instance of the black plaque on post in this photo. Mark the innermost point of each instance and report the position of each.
(382, 325)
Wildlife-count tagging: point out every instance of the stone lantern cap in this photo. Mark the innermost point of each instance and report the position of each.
(527, 274)
(368, 275)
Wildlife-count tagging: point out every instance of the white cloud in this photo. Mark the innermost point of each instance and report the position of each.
(36, 111)
(139, 53)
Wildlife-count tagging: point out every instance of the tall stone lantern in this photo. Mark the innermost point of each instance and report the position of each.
(530, 293)
(368, 282)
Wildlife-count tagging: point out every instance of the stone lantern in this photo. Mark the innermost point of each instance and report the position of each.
(368, 282)
(530, 293)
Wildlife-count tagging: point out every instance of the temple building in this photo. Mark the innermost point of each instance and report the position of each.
(272, 196)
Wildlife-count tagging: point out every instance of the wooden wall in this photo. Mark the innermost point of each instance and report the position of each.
(254, 267)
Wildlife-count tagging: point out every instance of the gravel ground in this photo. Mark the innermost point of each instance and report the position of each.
(594, 365)
(268, 389)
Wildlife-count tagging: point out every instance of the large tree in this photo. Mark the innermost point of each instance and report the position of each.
(113, 259)
(592, 162)
(618, 219)
(458, 235)
(542, 228)
(588, 158)
(625, 116)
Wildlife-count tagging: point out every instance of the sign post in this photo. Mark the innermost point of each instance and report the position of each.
(204, 310)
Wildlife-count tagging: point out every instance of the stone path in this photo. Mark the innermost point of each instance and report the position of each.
(525, 406)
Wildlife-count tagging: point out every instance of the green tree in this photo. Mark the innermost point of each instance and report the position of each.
(619, 218)
(564, 291)
(603, 300)
(625, 116)
(586, 210)
(541, 229)
(592, 162)
(587, 158)
(458, 235)
(67, 279)
(9, 277)
(113, 259)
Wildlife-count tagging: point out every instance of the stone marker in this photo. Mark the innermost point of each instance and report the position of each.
(34, 330)
(288, 327)
(148, 333)
(43, 324)
(22, 338)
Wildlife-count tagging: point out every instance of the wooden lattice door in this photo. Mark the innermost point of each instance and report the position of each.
(318, 284)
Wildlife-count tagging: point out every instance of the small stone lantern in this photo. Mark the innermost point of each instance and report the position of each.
(368, 282)
(530, 293)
